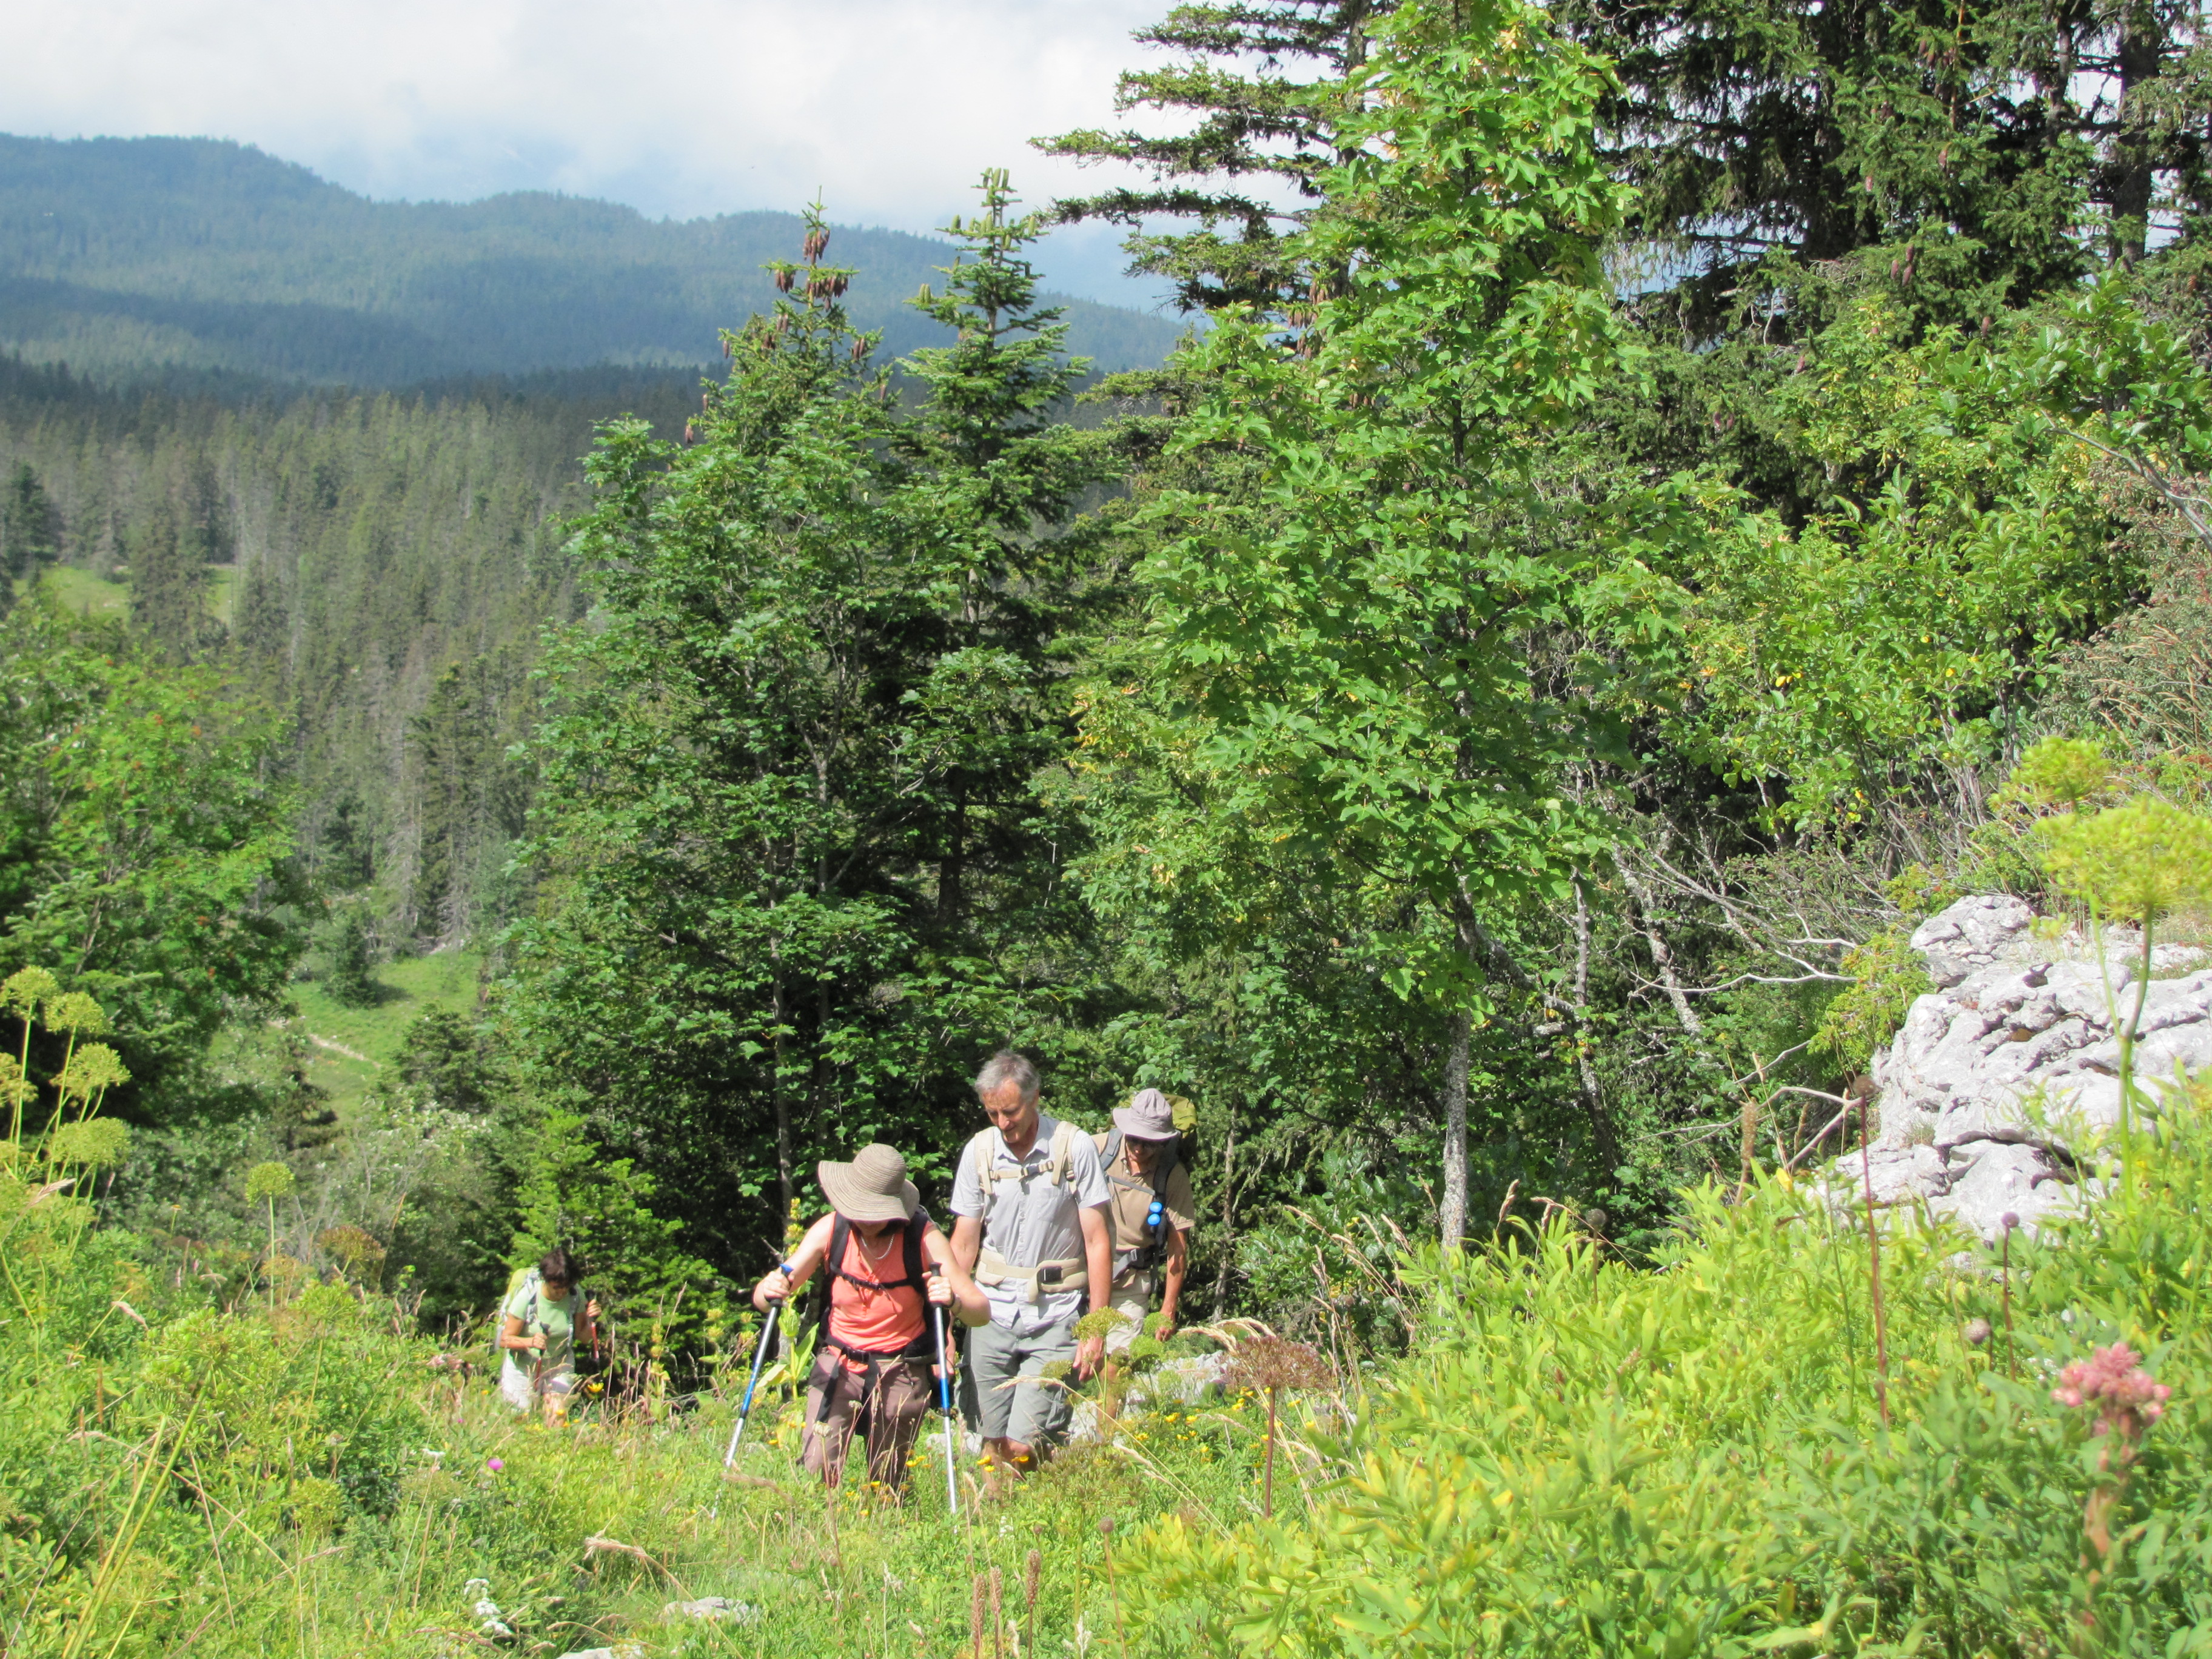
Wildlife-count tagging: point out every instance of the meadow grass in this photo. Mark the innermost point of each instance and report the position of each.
(83, 594)
(353, 1049)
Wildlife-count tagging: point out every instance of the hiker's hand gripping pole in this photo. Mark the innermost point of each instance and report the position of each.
(760, 1353)
(944, 1398)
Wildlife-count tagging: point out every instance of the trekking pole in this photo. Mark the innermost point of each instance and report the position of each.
(944, 1403)
(760, 1353)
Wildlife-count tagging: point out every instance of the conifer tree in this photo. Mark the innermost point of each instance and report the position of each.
(1248, 170)
(30, 529)
(789, 768)
(169, 585)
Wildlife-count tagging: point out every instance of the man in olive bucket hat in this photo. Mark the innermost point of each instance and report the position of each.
(1152, 1214)
(872, 1367)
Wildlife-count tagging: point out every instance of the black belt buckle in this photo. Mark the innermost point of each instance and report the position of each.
(1049, 1275)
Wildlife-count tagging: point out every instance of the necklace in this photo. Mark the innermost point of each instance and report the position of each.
(872, 1256)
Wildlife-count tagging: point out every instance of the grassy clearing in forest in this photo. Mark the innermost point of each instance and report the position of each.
(353, 1049)
(82, 593)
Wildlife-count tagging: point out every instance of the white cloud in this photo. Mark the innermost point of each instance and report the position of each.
(680, 107)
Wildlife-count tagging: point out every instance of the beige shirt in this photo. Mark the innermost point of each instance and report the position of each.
(1133, 1200)
(1031, 1220)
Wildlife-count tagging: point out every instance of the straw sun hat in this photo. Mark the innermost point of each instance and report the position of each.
(873, 1186)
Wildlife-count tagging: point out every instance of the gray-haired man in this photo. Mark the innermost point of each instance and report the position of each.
(1030, 1206)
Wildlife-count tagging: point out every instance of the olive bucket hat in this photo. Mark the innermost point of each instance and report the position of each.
(873, 1186)
(1148, 1116)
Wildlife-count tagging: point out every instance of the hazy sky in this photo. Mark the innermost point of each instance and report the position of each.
(675, 106)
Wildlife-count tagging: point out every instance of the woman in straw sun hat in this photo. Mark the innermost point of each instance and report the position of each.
(886, 1261)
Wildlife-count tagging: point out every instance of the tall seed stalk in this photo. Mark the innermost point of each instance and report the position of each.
(1874, 1271)
(1032, 1575)
(1113, 1585)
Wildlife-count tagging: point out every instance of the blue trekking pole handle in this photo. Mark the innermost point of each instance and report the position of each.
(945, 1404)
(760, 1353)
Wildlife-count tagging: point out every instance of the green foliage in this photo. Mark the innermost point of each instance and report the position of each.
(1885, 974)
(1382, 640)
(346, 963)
(1238, 126)
(2058, 772)
(784, 806)
(141, 837)
(2138, 860)
(1900, 629)
(570, 1191)
(1582, 1457)
(443, 1055)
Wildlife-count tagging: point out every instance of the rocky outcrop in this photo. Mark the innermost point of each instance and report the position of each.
(1994, 1092)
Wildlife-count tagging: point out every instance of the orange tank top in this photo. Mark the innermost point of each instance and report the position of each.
(867, 1319)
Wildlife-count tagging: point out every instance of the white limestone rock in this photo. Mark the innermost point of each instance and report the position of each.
(1999, 1082)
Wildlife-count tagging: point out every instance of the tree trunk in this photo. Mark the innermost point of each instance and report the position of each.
(949, 868)
(782, 1105)
(1452, 1218)
(1663, 959)
(2141, 52)
(1228, 1218)
(1601, 1122)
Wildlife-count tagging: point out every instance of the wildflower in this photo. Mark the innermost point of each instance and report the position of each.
(495, 1464)
(2112, 1380)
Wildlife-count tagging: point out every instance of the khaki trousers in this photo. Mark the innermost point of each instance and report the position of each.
(885, 1402)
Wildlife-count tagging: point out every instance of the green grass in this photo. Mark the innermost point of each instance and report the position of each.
(222, 593)
(84, 593)
(354, 1048)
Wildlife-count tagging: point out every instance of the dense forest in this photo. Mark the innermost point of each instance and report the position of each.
(161, 257)
(874, 712)
(1665, 501)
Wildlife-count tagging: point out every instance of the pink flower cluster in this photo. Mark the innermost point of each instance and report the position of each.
(2113, 1380)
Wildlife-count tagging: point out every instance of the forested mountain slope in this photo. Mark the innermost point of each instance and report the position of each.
(380, 563)
(122, 257)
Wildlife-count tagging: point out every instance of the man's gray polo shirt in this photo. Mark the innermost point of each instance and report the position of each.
(1032, 1220)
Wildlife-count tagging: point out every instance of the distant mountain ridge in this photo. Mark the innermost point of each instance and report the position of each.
(126, 256)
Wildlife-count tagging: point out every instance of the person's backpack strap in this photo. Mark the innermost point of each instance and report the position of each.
(910, 1267)
(1060, 1163)
(914, 1225)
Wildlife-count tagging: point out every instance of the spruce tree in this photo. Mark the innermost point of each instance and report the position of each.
(1276, 126)
(169, 585)
(30, 530)
(785, 806)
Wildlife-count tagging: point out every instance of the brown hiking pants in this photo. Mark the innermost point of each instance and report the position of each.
(885, 1401)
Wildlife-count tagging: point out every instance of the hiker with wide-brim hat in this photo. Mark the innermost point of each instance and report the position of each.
(887, 1263)
(1153, 1213)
